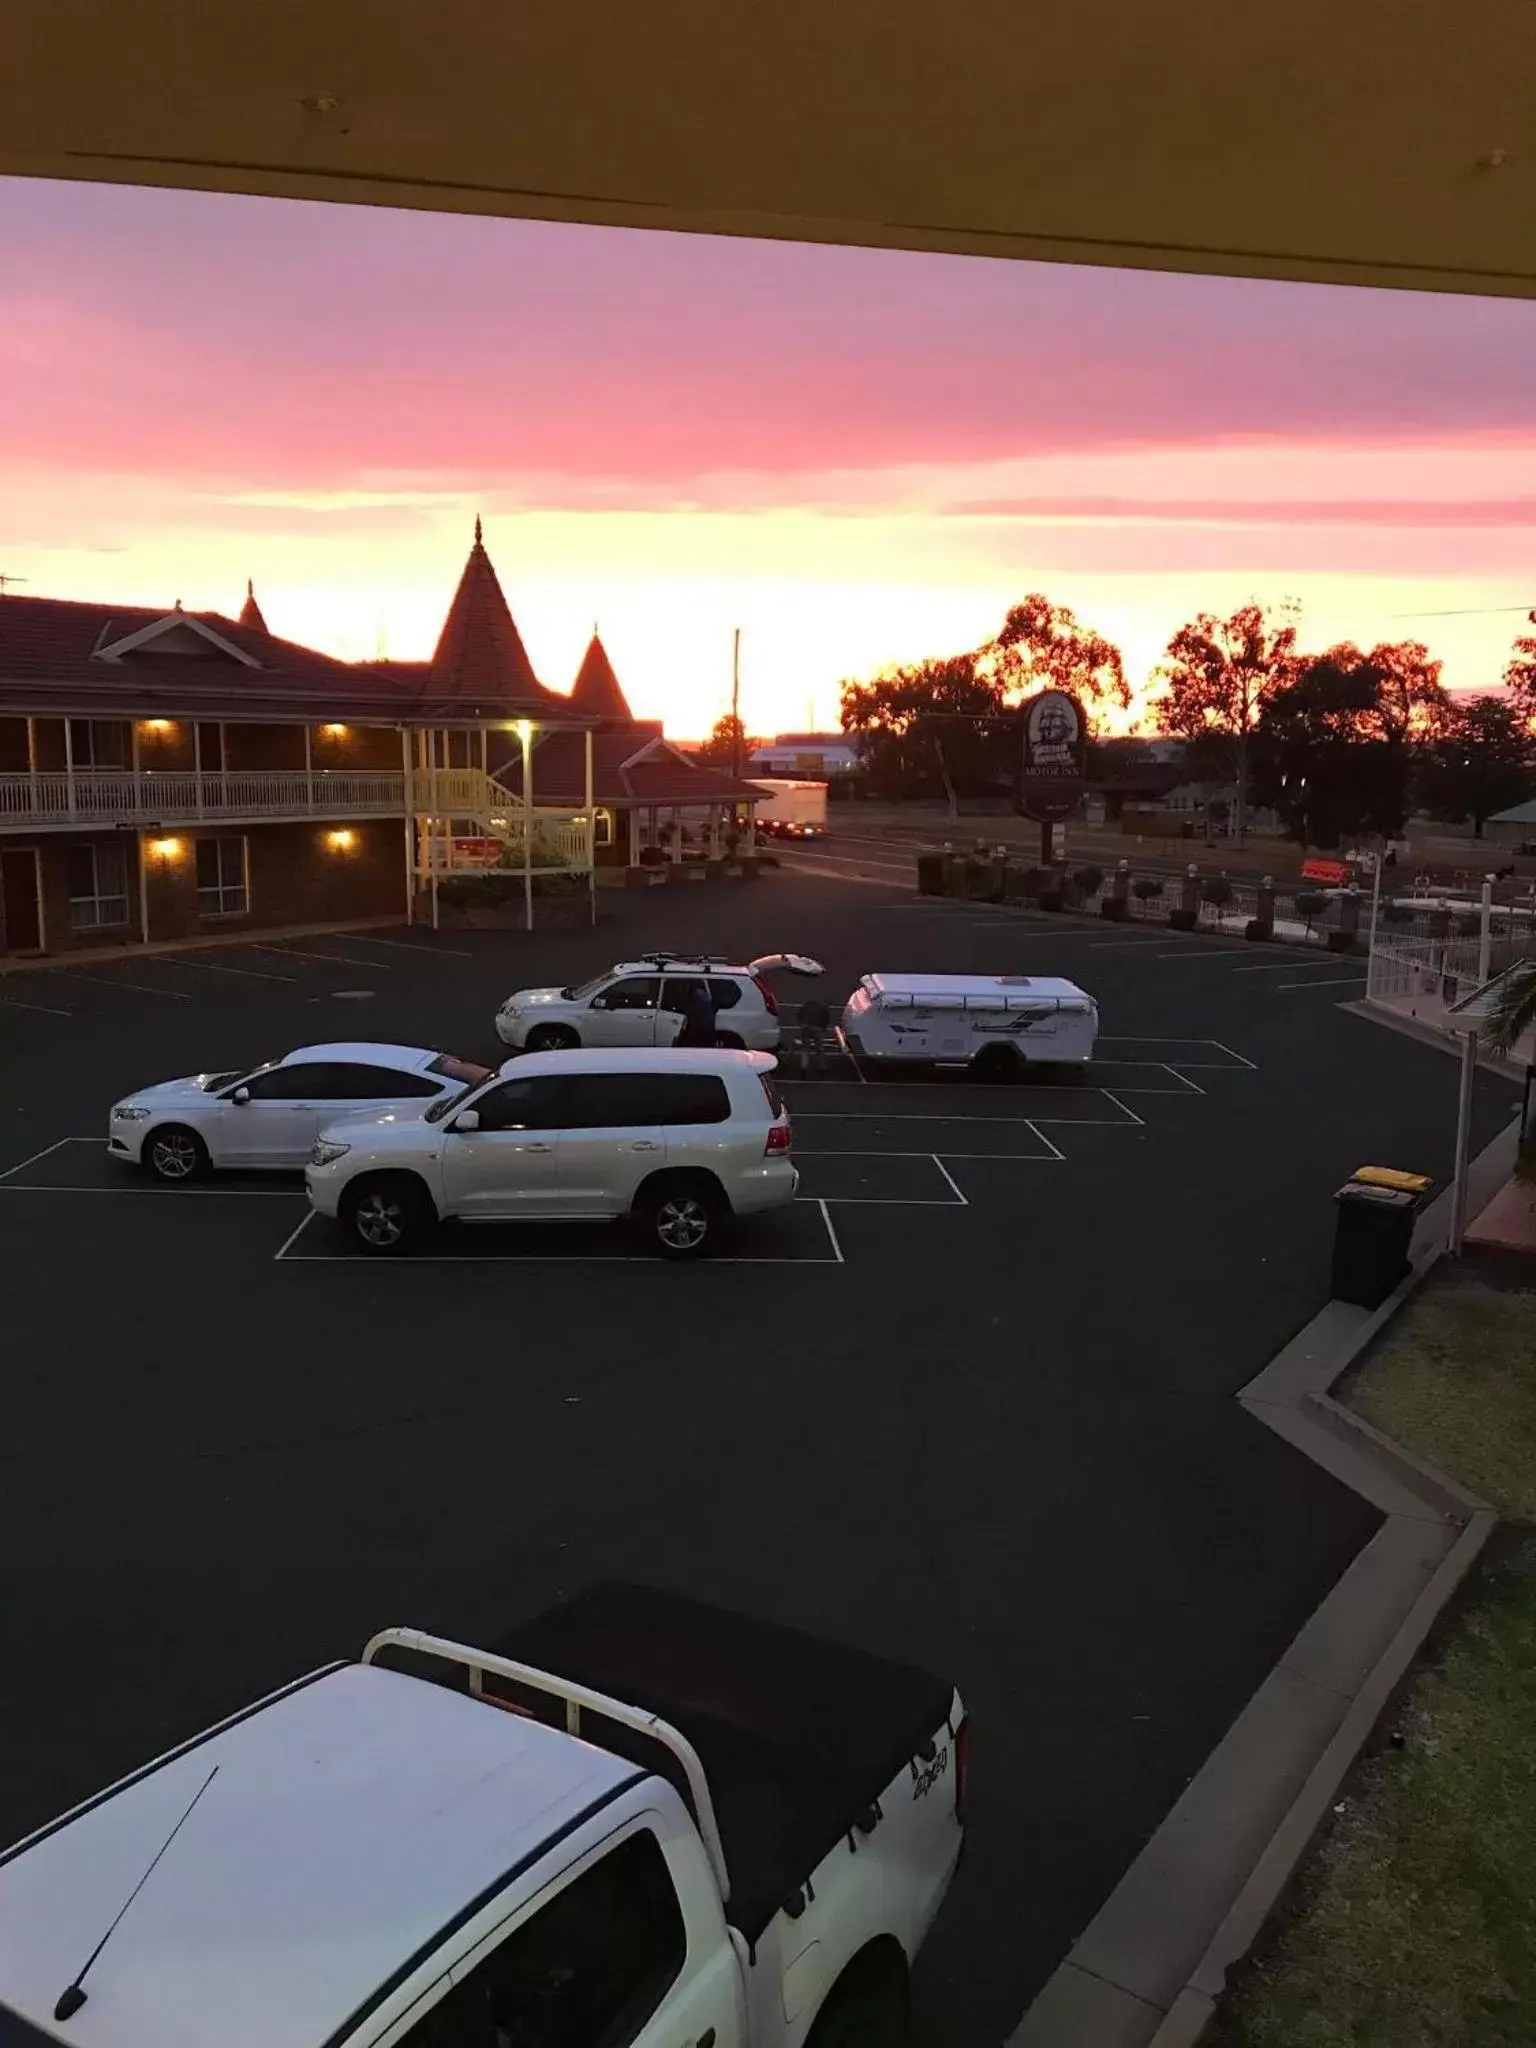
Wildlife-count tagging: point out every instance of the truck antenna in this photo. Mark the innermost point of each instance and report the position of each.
(74, 1996)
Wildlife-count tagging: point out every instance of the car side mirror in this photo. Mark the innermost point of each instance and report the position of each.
(467, 1120)
(241, 1095)
(598, 1003)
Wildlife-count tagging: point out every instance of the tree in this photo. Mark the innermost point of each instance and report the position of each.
(727, 745)
(1514, 1007)
(1219, 674)
(1046, 646)
(928, 726)
(1520, 675)
(1321, 757)
(1411, 703)
(1484, 761)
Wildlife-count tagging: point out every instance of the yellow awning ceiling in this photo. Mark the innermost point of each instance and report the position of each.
(1387, 142)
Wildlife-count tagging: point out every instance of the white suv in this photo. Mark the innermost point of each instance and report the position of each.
(682, 1141)
(642, 1002)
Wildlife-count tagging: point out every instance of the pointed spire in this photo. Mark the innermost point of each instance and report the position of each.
(597, 692)
(480, 655)
(250, 611)
(479, 536)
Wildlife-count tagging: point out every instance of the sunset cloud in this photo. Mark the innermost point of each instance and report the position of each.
(856, 454)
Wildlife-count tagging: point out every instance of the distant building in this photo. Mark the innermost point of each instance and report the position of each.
(824, 755)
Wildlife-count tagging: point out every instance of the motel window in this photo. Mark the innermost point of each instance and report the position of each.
(98, 742)
(98, 887)
(222, 889)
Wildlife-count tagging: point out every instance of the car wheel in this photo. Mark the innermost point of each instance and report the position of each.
(553, 1038)
(729, 1042)
(868, 2008)
(684, 1218)
(174, 1154)
(386, 1213)
(996, 1063)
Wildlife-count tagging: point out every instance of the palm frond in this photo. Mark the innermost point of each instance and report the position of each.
(1513, 1009)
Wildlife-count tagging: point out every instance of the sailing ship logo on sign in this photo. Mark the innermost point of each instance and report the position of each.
(1051, 732)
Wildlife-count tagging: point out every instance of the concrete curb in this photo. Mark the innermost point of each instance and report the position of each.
(1148, 1970)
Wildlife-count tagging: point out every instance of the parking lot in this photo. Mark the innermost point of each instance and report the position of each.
(968, 1402)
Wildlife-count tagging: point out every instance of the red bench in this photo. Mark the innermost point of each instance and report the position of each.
(1331, 871)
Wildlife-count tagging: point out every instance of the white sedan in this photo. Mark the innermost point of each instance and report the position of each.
(269, 1116)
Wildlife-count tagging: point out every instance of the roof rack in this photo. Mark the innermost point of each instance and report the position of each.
(685, 959)
(416, 1642)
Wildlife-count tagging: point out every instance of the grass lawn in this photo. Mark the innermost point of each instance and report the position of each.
(1415, 1926)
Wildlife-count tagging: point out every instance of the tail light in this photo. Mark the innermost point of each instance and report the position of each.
(770, 1000)
(778, 1140)
(962, 1766)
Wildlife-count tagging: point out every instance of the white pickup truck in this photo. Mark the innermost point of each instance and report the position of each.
(709, 1832)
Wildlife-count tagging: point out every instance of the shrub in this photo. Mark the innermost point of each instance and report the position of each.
(1088, 881)
(1038, 881)
(1147, 888)
(1217, 892)
(930, 874)
(1393, 912)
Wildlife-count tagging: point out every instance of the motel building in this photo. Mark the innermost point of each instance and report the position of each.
(175, 775)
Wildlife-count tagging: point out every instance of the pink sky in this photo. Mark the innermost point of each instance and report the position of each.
(856, 456)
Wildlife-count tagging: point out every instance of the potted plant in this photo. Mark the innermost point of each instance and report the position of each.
(930, 873)
(1148, 889)
(1087, 881)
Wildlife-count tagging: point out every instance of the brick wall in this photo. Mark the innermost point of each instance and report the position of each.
(295, 877)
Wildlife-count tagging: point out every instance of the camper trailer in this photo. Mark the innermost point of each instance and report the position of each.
(995, 1024)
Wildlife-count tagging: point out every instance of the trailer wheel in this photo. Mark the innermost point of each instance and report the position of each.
(997, 1063)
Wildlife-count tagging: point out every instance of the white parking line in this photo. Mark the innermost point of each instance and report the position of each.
(174, 995)
(826, 1217)
(296, 1233)
(42, 1009)
(404, 945)
(1052, 1151)
(1135, 1119)
(959, 1196)
(1231, 1055)
(1201, 953)
(1282, 966)
(57, 1146)
(329, 959)
(1344, 981)
(217, 967)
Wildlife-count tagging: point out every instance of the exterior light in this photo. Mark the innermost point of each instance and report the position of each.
(341, 841)
(334, 732)
(524, 730)
(157, 726)
(165, 849)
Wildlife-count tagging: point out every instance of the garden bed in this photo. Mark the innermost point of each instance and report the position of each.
(1414, 1927)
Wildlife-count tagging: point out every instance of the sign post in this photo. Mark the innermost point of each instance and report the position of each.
(1054, 746)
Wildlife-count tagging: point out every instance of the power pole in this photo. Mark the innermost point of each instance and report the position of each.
(7, 581)
(736, 704)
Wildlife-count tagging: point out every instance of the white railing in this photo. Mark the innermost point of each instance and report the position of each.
(89, 796)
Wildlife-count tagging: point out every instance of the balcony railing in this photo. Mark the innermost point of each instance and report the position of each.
(108, 796)
(113, 796)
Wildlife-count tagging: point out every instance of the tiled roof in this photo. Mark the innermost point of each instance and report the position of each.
(480, 659)
(48, 666)
(629, 766)
(250, 611)
(596, 692)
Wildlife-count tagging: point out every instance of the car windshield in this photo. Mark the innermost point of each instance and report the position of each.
(452, 1068)
(587, 988)
(208, 1082)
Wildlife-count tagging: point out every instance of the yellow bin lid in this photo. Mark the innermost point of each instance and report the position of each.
(1392, 1177)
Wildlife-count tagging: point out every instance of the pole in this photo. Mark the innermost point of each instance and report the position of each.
(1485, 934)
(736, 703)
(1370, 950)
(591, 834)
(525, 735)
(1463, 1141)
(138, 841)
(408, 799)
